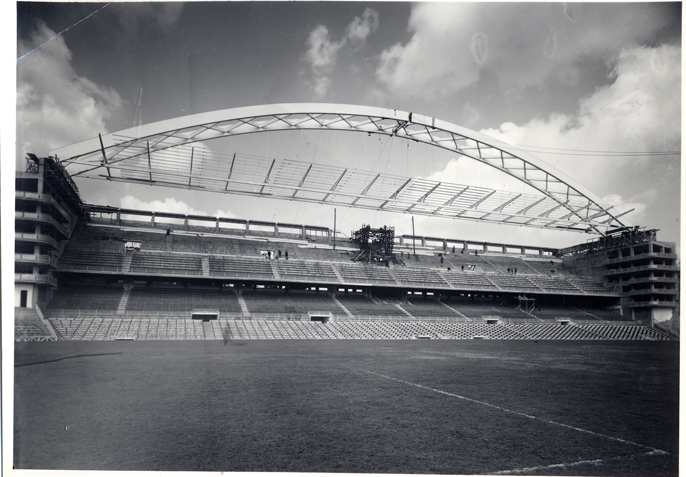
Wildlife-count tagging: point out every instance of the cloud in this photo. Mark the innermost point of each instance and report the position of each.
(55, 106)
(453, 44)
(360, 28)
(639, 111)
(322, 52)
(169, 204)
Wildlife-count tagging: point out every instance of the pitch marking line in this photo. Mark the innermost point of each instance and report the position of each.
(567, 426)
(525, 470)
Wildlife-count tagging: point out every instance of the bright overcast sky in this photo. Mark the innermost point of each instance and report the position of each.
(585, 87)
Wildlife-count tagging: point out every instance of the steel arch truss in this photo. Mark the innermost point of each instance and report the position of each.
(163, 154)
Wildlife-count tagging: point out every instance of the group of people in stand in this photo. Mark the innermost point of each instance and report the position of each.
(512, 271)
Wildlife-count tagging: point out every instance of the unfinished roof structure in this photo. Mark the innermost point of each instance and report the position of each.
(163, 153)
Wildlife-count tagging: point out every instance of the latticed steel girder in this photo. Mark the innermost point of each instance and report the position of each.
(162, 153)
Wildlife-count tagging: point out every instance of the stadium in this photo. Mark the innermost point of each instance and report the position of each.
(98, 272)
(322, 327)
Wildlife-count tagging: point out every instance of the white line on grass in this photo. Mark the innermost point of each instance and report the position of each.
(617, 439)
(526, 470)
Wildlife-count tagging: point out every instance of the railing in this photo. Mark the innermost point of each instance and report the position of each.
(641, 304)
(652, 291)
(28, 257)
(43, 198)
(36, 238)
(648, 280)
(615, 271)
(42, 218)
(89, 268)
(609, 322)
(33, 278)
(640, 256)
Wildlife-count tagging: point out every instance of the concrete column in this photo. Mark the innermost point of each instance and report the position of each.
(216, 224)
(522, 251)
(36, 249)
(276, 230)
(118, 218)
(402, 242)
(152, 221)
(37, 228)
(504, 250)
(247, 227)
(465, 246)
(540, 252)
(485, 247)
(41, 175)
(304, 233)
(185, 223)
(445, 244)
(423, 242)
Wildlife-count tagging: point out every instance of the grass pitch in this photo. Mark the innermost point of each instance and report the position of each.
(458, 407)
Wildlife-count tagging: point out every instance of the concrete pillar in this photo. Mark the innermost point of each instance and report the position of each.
(540, 252)
(504, 250)
(304, 233)
(41, 175)
(185, 223)
(445, 244)
(216, 224)
(276, 230)
(402, 242)
(118, 218)
(247, 227)
(36, 249)
(423, 242)
(485, 247)
(37, 228)
(522, 251)
(465, 246)
(152, 220)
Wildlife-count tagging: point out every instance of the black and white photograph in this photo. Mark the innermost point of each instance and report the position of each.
(341, 237)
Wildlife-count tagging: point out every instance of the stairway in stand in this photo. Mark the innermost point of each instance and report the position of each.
(121, 309)
(126, 264)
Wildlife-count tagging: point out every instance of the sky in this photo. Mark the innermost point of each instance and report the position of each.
(594, 90)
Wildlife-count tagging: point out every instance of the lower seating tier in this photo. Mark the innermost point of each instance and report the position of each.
(113, 328)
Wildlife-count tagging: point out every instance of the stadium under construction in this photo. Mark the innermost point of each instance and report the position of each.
(96, 272)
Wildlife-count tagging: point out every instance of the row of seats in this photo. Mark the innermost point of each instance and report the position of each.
(180, 299)
(87, 298)
(89, 259)
(289, 303)
(246, 262)
(104, 299)
(166, 263)
(188, 329)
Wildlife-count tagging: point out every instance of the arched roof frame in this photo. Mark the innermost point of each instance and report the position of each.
(582, 209)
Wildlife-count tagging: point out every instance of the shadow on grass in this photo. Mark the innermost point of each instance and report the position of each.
(65, 357)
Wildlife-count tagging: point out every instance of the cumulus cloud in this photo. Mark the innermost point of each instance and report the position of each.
(322, 52)
(55, 106)
(453, 43)
(171, 205)
(639, 111)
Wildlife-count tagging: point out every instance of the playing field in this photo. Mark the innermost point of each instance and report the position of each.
(417, 406)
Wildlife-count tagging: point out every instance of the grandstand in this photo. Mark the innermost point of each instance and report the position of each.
(93, 272)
